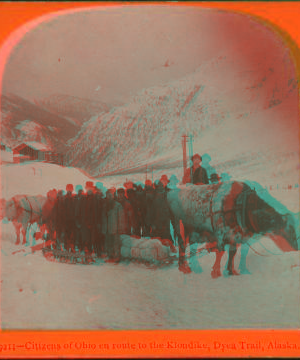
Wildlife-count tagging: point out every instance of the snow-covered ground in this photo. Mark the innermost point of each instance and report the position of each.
(39, 294)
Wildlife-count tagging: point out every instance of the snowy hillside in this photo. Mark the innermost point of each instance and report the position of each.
(72, 107)
(230, 122)
(23, 121)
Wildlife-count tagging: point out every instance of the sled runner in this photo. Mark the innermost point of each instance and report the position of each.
(68, 257)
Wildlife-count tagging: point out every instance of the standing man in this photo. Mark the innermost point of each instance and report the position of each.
(160, 216)
(111, 217)
(127, 218)
(98, 237)
(69, 217)
(59, 220)
(199, 174)
(89, 218)
(79, 220)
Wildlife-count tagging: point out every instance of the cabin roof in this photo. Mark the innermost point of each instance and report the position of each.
(34, 145)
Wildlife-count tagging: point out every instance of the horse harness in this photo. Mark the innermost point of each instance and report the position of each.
(18, 207)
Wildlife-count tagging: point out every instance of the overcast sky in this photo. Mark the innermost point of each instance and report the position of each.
(110, 54)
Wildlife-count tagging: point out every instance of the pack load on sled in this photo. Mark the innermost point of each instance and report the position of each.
(131, 248)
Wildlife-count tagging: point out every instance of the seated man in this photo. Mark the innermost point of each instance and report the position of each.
(199, 174)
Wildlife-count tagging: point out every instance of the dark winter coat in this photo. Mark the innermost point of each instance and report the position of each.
(149, 197)
(160, 215)
(98, 210)
(111, 217)
(199, 176)
(127, 218)
(69, 208)
(79, 204)
(59, 213)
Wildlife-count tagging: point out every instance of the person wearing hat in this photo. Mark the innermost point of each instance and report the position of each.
(164, 180)
(98, 237)
(69, 218)
(111, 216)
(59, 219)
(89, 217)
(79, 217)
(215, 178)
(199, 174)
(127, 218)
(173, 182)
(149, 196)
(101, 187)
(225, 177)
(160, 215)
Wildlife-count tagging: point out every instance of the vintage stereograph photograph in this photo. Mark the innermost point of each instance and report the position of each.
(150, 173)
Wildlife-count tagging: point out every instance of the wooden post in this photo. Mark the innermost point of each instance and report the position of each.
(184, 137)
(191, 154)
(152, 175)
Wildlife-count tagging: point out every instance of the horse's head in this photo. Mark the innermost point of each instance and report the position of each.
(10, 210)
(290, 231)
(262, 218)
(286, 236)
(2, 209)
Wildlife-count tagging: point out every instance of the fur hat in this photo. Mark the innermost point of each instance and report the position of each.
(164, 178)
(89, 185)
(195, 156)
(70, 187)
(214, 177)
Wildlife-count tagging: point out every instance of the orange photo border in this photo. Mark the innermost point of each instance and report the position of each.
(283, 18)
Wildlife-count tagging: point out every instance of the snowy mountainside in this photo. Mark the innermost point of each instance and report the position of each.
(149, 127)
(72, 107)
(24, 121)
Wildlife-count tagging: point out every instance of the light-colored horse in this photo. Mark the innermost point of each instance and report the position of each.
(23, 211)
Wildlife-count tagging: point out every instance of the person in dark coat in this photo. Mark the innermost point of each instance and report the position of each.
(164, 180)
(111, 222)
(215, 179)
(160, 216)
(199, 174)
(149, 197)
(88, 228)
(48, 215)
(140, 210)
(132, 198)
(59, 219)
(69, 217)
(97, 236)
(127, 220)
(78, 205)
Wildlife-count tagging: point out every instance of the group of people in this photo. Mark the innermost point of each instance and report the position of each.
(92, 221)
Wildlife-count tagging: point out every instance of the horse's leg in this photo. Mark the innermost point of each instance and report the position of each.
(182, 263)
(26, 234)
(247, 241)
(17, 227)
(230, 262)
(216, 270)
(243, 265)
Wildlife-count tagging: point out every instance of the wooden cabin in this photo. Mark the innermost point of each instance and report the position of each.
(34, 151)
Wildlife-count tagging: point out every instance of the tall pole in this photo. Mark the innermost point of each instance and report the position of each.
(146, 171)
(183, 141)
(152, 175)
(191, 154)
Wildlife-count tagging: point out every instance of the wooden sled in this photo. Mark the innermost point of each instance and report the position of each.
(68, 257)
